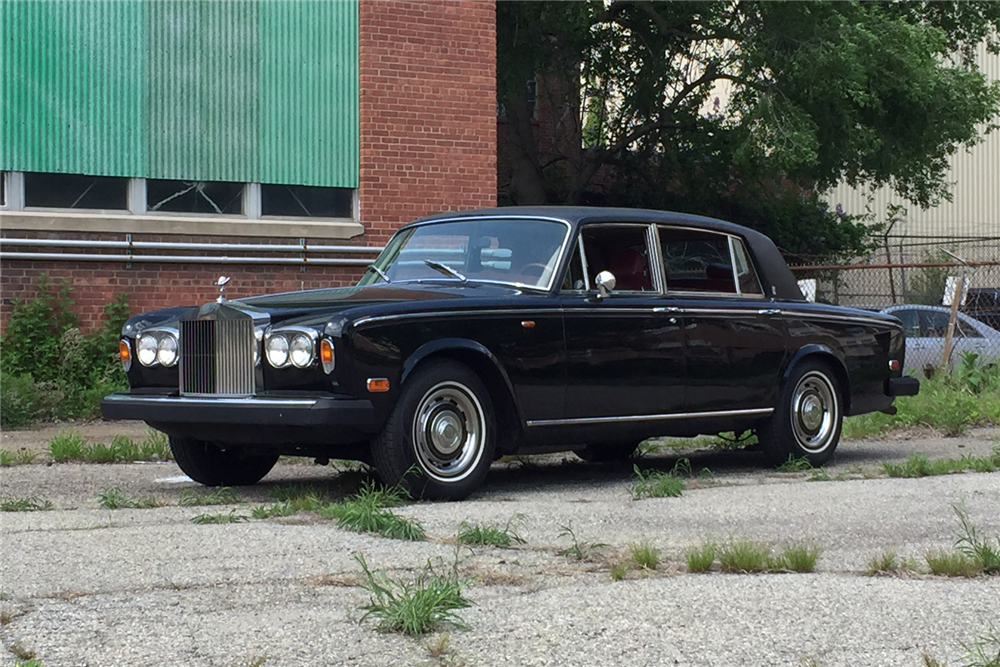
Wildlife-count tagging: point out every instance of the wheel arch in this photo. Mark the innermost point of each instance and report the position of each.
(819, 352)
(480, 359)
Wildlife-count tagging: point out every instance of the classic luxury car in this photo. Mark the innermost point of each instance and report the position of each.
(492, 332)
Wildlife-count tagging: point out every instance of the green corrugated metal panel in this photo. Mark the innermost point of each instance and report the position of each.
(309, 121)
(70, 81)
(242, 91)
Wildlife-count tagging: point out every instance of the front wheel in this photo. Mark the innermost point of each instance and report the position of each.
(208, 464)
(808, 418)
(438, 442)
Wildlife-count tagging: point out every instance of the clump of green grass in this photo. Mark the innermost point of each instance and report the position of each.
(618, 571)
(223, 495)
(951, 564)
(972, 545)
(645, 555)
(31, 504)
(296, 492)
(491, 535)
(67, 446)
(700, 559)
(793, 464)
(749, 556)
(918, 465)
(744, 556)
(365, 513)
(230, 517)
(889, 563)
(33, 662)
(114, 498)
(18, 457)
(800, 558)
(823, 475)
(413, 607)
(656, 484)
(579, 549)
(286, 508)
(70, 446)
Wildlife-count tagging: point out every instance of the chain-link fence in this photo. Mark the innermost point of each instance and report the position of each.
(913, 279)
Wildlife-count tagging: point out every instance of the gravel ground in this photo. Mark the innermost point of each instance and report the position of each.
(83, 585)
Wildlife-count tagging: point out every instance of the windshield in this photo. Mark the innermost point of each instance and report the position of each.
(524, 253)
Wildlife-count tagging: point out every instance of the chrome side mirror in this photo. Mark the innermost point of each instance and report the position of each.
(605, 283)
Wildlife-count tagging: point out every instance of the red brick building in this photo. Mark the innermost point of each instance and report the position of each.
(331, 130)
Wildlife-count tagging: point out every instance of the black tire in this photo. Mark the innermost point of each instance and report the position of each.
(608, 452)
(808, 418)
(438, 442)
(207, 464)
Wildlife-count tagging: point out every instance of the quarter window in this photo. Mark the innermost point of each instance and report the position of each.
(694, 260)
(745, 273)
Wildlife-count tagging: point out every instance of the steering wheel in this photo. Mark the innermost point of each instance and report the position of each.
(530, 269)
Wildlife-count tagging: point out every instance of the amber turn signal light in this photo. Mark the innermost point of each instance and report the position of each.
(125, 354)
(326, 351)
(377, 385)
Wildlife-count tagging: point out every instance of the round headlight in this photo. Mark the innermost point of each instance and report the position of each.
(277, 351)
(301, 350)
(166, 350)
(146, 348)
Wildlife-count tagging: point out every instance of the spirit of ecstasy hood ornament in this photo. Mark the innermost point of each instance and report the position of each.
(221, 283)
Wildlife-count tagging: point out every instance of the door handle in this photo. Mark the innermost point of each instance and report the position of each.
(665, 309)
(769, 311)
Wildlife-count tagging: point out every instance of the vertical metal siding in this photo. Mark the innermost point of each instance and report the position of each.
(248, 90)
(309, 120)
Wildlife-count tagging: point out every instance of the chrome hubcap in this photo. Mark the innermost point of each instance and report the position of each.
(449, 432)
(815, 412)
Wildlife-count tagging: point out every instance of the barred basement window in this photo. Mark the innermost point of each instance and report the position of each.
(194, 196)
(75, 191)
(306, 201)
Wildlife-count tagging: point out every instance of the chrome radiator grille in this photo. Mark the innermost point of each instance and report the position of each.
(217, 357)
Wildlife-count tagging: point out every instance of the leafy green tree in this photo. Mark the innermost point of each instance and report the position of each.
(740, 108)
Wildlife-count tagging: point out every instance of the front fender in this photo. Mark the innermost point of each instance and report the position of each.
(445, 344)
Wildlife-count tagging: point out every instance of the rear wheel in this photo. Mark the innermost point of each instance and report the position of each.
(439, 441)
(808, 418)
(208, 464)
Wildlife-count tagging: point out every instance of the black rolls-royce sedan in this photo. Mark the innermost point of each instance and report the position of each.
(493, 332)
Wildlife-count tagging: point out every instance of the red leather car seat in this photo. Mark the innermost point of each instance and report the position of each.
(629, 267)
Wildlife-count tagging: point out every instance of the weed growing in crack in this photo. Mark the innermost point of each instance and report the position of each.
(31, 504)
(413, 607)
(793, 464)
(223, 495)
(114, 498)
(700, 559)
(492, 535)
(656, 484)
(579, 549)
(230, 517)
(645, 555)
(365, 513)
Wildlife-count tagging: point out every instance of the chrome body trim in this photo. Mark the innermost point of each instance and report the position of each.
(222, 401)
(579, 421)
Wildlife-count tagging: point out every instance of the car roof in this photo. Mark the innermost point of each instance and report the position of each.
(770, 263)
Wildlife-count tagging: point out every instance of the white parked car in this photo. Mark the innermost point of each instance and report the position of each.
(926, 327)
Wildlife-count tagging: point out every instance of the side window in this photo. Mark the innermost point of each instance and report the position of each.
(966, 330)
(936, 324)
(745, 273)
(622, 250)
(911, 322)
(694, 260)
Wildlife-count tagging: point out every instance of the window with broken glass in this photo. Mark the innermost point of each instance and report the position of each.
(76, 191)
(194, 196)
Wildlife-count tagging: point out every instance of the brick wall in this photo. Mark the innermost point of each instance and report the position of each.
(428, 144)
(428, 110)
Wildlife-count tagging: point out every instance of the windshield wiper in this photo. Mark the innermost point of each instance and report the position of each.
(447, 270)
(380, 272)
